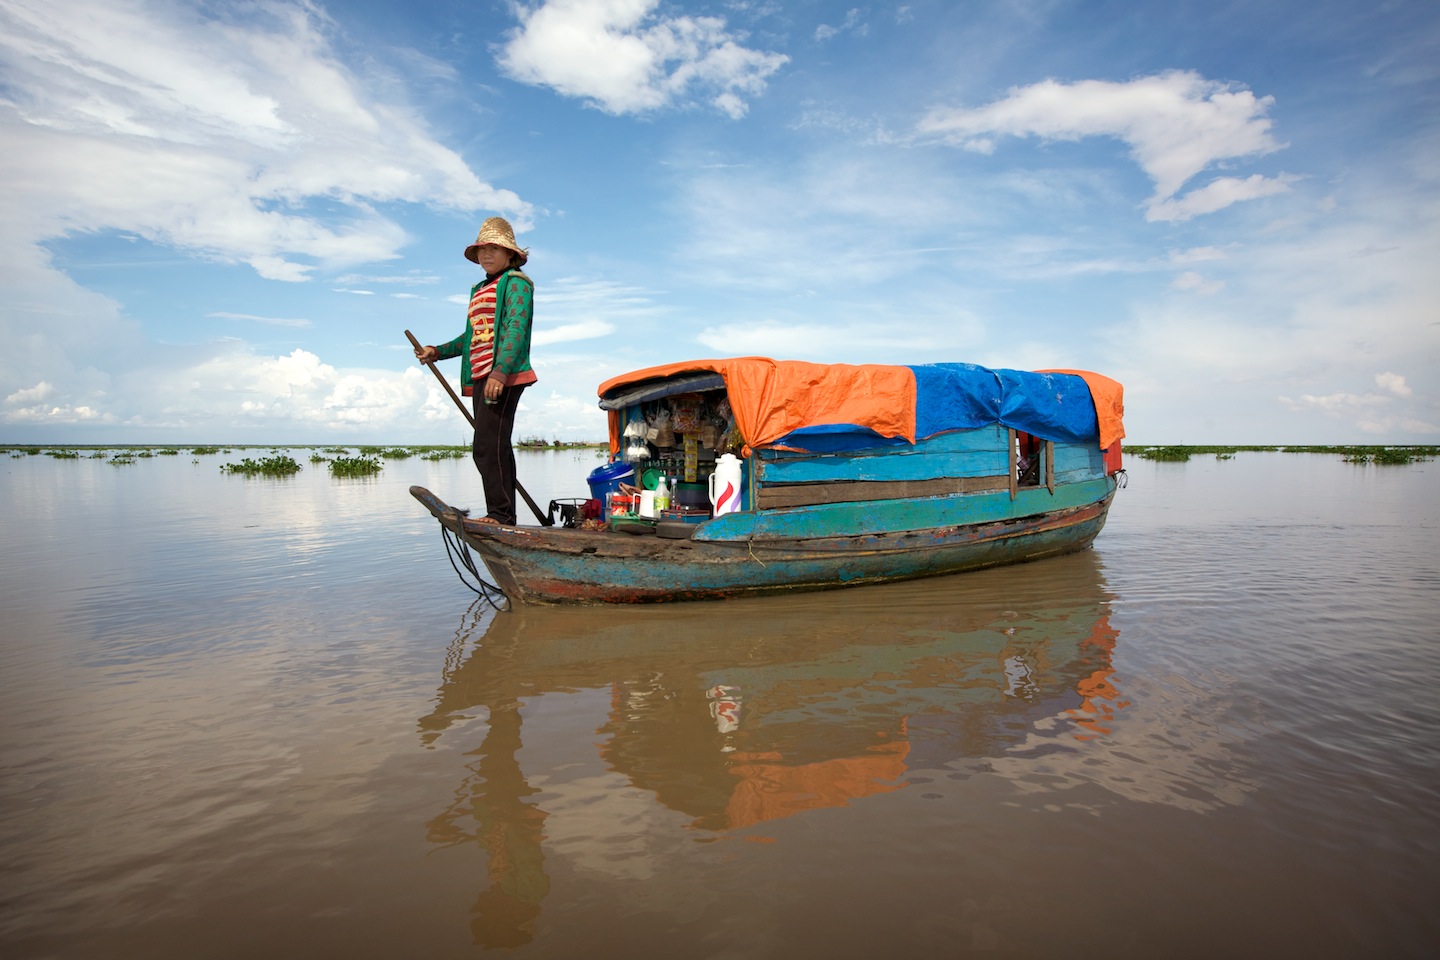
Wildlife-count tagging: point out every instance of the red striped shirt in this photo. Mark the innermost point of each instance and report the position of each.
(482, 332)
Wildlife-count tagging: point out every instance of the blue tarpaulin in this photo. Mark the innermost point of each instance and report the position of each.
(791, 404)
(963, 396)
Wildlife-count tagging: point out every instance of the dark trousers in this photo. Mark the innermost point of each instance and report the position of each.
(493, 454)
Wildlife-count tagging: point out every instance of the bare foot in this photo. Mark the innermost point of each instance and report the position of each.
(488, 520)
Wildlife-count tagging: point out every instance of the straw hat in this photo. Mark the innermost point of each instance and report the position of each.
(497, 230)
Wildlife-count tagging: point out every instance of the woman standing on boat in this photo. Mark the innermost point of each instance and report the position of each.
(495, 370)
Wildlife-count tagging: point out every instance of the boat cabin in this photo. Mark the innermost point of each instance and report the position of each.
(815, 434)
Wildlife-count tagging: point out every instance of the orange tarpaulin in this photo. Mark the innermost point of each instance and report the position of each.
(1109, 398)
(771, 398)
(774, 399)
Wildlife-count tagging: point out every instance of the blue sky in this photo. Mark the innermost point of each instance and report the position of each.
(220, 218)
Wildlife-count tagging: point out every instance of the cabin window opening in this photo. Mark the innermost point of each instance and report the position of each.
(677, 436)
(1028, 460)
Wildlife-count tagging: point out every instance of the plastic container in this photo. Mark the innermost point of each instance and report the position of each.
(725, 489)
(608, 477)
(624, 505)
(691, 495)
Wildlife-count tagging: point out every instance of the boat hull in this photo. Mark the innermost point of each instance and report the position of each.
(563, 565)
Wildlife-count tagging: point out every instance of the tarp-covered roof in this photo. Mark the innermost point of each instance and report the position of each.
(835, 406)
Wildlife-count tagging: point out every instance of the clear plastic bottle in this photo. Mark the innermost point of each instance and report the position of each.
(662, 495)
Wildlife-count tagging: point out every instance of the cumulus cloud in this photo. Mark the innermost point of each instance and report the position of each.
(1372, 412)
(1177, 124)
(623, 57)
(1393, 383)
(30, 395)
(211, 135)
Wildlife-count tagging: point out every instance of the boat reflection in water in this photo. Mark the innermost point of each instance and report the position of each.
(757, 710)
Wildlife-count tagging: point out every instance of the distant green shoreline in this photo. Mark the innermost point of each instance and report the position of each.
(353, 460)
(36, 449)
(1350, 453)
(1177, 453)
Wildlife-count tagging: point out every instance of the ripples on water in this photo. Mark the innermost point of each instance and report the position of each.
(247, 716)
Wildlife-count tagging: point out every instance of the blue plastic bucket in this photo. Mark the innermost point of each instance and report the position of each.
(608, 477)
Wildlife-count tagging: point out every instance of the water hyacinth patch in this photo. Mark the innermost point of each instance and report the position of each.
(274, 466)
(355, 467)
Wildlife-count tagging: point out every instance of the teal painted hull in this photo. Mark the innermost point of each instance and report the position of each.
(786, 550)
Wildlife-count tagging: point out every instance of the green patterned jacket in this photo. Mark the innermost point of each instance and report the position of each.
(514, 313)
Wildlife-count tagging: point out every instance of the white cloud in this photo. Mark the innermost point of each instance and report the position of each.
(1393, 383)
(565, 333)
(1340, 403)
(1197, 255)
(210, 135)
(30, 395)
(851, 23)
(1177, 124)
(1197, 283)
(622, 57)
(268, 321)
(1217, 195)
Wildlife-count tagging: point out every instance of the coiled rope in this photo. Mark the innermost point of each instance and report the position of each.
(463, 562)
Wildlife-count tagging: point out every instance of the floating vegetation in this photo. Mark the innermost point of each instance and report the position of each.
(121, 459)
(1389, 456)
(388, 453)
(446, 453)
(318, 457)
(167, 452)
(1172, 454)
(355, 467)
(276, 466)
(1351, 453)
(337, 451)
(205, 451)
(64, 454)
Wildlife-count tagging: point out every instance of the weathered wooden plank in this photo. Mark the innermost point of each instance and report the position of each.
(989, 437)
(931, 466)
(837, 519)
(961, 453)
(776, 496)
(1075, 462)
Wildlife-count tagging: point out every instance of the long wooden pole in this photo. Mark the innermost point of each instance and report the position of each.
(545, 521)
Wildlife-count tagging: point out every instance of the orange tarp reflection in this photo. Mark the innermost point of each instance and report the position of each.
(1100, 697)
(768, 790)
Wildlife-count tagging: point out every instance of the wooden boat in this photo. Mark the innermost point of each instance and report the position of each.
(851, 474)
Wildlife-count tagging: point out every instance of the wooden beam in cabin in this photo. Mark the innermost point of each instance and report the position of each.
(1014, 464)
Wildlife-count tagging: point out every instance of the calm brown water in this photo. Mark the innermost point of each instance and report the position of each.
(250, 717)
